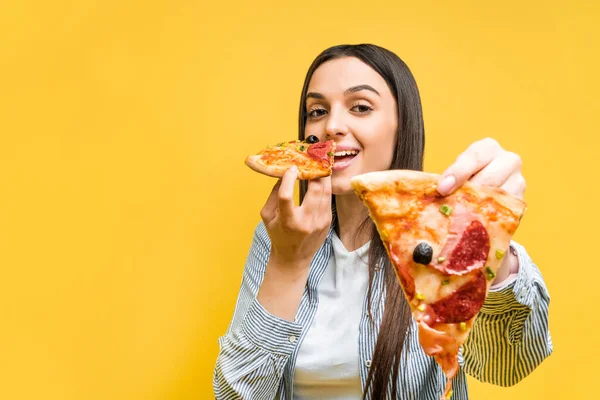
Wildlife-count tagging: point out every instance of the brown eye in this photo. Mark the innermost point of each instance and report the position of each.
(319, 112)
(312, 139)
(362, 109)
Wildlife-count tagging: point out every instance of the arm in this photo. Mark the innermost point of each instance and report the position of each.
(254, 351)
(262, 335)
(510, 337)
(282, 288)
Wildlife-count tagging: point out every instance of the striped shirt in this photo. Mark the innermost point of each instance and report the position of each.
(257, 356)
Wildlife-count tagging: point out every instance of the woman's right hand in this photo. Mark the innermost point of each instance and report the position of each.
(297, 232)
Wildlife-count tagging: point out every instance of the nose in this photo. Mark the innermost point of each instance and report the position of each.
(336, 126)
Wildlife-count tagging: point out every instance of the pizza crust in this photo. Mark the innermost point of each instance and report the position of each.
(277, 171)
(417, 181)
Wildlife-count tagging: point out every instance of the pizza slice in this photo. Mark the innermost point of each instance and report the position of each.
(314, 159)
(445, 250)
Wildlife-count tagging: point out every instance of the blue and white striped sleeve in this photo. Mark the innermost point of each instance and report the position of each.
(256, 347)
(510, 337)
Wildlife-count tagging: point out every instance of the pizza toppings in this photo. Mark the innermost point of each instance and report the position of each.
(490, 274)
(319, 151)
(446, 210)
(472, 250)
(423, 253)
(462, 326)
(434, 342)
(312, 139)
(499, 254)
(463, 304)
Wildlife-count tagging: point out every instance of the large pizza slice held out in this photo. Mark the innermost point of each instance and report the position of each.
(445, 250)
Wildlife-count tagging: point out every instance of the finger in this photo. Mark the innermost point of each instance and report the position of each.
(285, 195)
(499, 170)
(310, 203)
(269, 210)
(474, 159)
(515, 185)
(325, 205)
(319, 203)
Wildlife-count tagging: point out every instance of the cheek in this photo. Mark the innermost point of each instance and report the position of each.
(379, 146)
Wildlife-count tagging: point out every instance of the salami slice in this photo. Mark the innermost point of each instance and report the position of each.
(472, 250)
(464, 303)
(318, 151)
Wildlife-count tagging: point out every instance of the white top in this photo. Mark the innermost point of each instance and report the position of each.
(327, 363)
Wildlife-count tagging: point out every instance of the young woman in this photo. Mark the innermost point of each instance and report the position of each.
(320, 314)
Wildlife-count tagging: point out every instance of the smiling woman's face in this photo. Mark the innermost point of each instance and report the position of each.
(349, 102)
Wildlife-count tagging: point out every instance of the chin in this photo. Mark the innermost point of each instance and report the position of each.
(341, 186)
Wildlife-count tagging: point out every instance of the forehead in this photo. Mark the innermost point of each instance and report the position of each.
(337, 75)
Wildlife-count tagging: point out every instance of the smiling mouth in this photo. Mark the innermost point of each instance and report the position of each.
(345, 155)
(343, 158)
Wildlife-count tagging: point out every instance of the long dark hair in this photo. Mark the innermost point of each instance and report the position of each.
(410, 144)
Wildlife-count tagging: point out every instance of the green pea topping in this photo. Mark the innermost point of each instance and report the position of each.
(446, 210)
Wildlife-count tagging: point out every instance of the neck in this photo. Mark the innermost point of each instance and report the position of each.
(351, 213)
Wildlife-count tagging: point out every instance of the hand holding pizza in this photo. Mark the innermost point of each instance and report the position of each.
(297, 232)
(485, 162)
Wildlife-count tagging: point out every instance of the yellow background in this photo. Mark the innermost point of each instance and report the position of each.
(126, 211)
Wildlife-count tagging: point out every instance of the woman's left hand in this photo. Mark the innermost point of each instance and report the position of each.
(485, 162)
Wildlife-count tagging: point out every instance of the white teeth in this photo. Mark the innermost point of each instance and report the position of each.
(345, 153)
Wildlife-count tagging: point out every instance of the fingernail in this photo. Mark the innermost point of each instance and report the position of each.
(447, 184)
(293, 168)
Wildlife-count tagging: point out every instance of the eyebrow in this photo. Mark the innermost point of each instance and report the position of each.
(358, 88)
(315, 95)
(348, 91)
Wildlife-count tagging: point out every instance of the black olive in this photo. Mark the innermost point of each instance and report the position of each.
(312, 139)
(423, 253)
